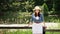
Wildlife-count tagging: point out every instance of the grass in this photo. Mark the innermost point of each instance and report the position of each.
(25, 31)
(20, 32)
(52, 32)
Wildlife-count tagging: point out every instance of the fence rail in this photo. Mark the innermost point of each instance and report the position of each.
(57, 30)
(25, 26)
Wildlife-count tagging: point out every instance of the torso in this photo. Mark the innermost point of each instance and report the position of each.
(37, 19)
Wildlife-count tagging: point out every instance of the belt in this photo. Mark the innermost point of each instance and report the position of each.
(37, 22)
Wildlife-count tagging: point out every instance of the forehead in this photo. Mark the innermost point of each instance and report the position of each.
(36, 9)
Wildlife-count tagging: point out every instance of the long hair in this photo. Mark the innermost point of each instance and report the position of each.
(38, 14)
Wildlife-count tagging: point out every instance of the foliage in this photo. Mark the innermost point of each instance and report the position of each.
(46, 10)
(14, 10)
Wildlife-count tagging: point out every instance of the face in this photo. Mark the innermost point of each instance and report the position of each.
(36, 10)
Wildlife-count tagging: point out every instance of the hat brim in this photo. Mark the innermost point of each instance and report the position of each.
(36, 9)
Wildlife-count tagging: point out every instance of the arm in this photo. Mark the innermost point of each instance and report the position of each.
(43, 21)
(30, 24)
(31, 21)
(42, 18)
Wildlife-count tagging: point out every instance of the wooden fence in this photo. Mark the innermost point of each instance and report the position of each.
(25, 26)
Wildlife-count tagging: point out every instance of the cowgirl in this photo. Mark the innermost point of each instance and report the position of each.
(37, 20)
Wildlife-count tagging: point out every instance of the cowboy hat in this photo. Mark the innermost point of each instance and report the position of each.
(37, 7)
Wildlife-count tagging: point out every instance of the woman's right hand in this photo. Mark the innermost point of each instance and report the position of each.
(29, 24)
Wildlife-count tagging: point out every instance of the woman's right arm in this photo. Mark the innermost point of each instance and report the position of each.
(30, 24)
(31, 21)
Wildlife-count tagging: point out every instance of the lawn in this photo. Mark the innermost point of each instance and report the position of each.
(24, 31)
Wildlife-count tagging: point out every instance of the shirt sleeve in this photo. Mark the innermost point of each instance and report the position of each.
(42, 18)
(31, 20)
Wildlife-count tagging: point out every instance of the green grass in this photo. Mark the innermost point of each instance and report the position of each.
(52, 32)
(19, 31)
(26, 31)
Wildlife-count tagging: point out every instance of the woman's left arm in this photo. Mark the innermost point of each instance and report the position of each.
(42, 18)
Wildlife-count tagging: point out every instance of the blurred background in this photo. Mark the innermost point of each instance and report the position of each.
(19, 11)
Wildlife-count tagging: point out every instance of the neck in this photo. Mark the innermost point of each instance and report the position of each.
(37, 14)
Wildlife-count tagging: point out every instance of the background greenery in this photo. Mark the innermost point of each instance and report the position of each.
(19, 11)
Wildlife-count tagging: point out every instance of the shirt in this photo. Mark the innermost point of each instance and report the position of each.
(37, 19)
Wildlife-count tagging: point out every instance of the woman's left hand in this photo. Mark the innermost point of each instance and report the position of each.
(44, 26)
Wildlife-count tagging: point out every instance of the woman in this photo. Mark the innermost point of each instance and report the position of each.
(37, 20)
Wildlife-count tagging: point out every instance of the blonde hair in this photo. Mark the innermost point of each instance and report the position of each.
(37, 7)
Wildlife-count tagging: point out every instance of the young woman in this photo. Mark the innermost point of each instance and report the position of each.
(37, 20)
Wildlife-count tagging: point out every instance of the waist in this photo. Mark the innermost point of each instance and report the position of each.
(37, 22)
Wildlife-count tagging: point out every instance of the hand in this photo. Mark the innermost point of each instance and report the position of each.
(28, 25)
(44, 26)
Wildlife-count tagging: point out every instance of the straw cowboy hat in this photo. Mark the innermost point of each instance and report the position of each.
(37, 7)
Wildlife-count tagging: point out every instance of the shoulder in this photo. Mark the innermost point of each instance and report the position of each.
(41, 14)
(32, 14)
